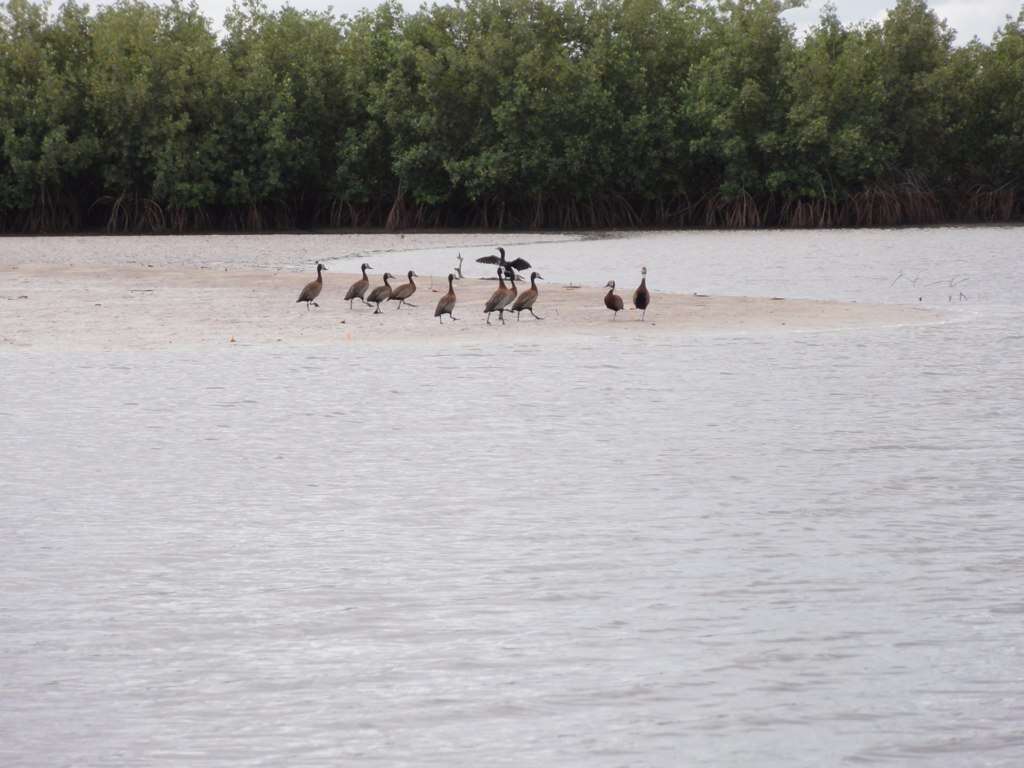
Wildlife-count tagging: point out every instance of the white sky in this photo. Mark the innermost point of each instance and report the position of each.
(968, 17)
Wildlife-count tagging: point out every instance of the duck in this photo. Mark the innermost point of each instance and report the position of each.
(358, 289)
(499, 299)
(446, 304)
(613, 302)
(527, 298)
(403, 292)
(642, 296)
(313, 288)
(381, 293)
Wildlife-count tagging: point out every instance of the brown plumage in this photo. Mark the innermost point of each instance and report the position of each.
(499, 299)
(381, 293)
(641, 296)
(358, 289)
(403, 292)
(527, 298)
(613, 302)
(446, 304)
(313, 288)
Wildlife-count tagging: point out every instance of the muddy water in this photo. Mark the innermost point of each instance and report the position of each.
(768, 549)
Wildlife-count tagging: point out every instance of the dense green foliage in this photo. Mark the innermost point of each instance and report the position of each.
(502, 113)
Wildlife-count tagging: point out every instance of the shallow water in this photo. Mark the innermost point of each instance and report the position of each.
(772, 549)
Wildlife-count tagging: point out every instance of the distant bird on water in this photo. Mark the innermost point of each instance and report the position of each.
(313, 288)
(381, 293)
(641, 296)
(499, 299)
(446, 304)
(358, 289)
(517, 264)
(527, 298)
(613, 302)
(403, 292)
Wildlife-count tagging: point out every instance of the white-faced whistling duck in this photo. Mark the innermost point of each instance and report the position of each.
(641, 296)
(403, 292)
(527, 298)
(499, 299)
(313, 288)
(381, 293)
(513, 291)
(358, 289)
(446, 304)
(613, 302)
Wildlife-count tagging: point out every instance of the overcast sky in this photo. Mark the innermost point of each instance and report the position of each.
(968, 17)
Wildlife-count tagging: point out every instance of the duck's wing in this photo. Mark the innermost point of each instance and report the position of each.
(519, 264)
(489, 260)
(357, 289)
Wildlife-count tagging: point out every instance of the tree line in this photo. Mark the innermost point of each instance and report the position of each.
(502, 114)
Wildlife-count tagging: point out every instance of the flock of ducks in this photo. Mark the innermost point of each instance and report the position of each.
(506, 298)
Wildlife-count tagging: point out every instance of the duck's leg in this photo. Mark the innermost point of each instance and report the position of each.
(535, 314)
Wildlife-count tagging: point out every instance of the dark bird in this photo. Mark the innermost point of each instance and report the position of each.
(313, 288)
(513, 291)
(381, 293)
(499, 300)
(517, 264)
(403, 292)
(446, 304)
(641, 296)
(527, 298)
(358, 289)
(613, 302)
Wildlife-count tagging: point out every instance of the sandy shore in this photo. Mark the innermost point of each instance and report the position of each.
(46, 307)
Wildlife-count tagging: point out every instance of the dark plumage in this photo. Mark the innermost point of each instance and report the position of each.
(527, 298)
(516, 264)
(499, 300)
(313, 288)
(358, 289)
(403, 292)
(446, 304)
(641, 296)
(381, 293)
(613, 302)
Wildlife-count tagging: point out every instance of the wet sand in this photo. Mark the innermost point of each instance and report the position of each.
(127, 307)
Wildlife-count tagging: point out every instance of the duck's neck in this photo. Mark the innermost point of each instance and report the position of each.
(364, 272)
(319, 273)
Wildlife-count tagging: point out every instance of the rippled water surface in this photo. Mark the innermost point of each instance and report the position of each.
(773, 549)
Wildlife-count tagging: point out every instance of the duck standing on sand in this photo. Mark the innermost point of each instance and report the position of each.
(499, 299)
(446, 304)
(358, 289)
(527, 298)
(403, 292)
(381, 293)
(313, 288)
(613, 302)
(642, 296)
